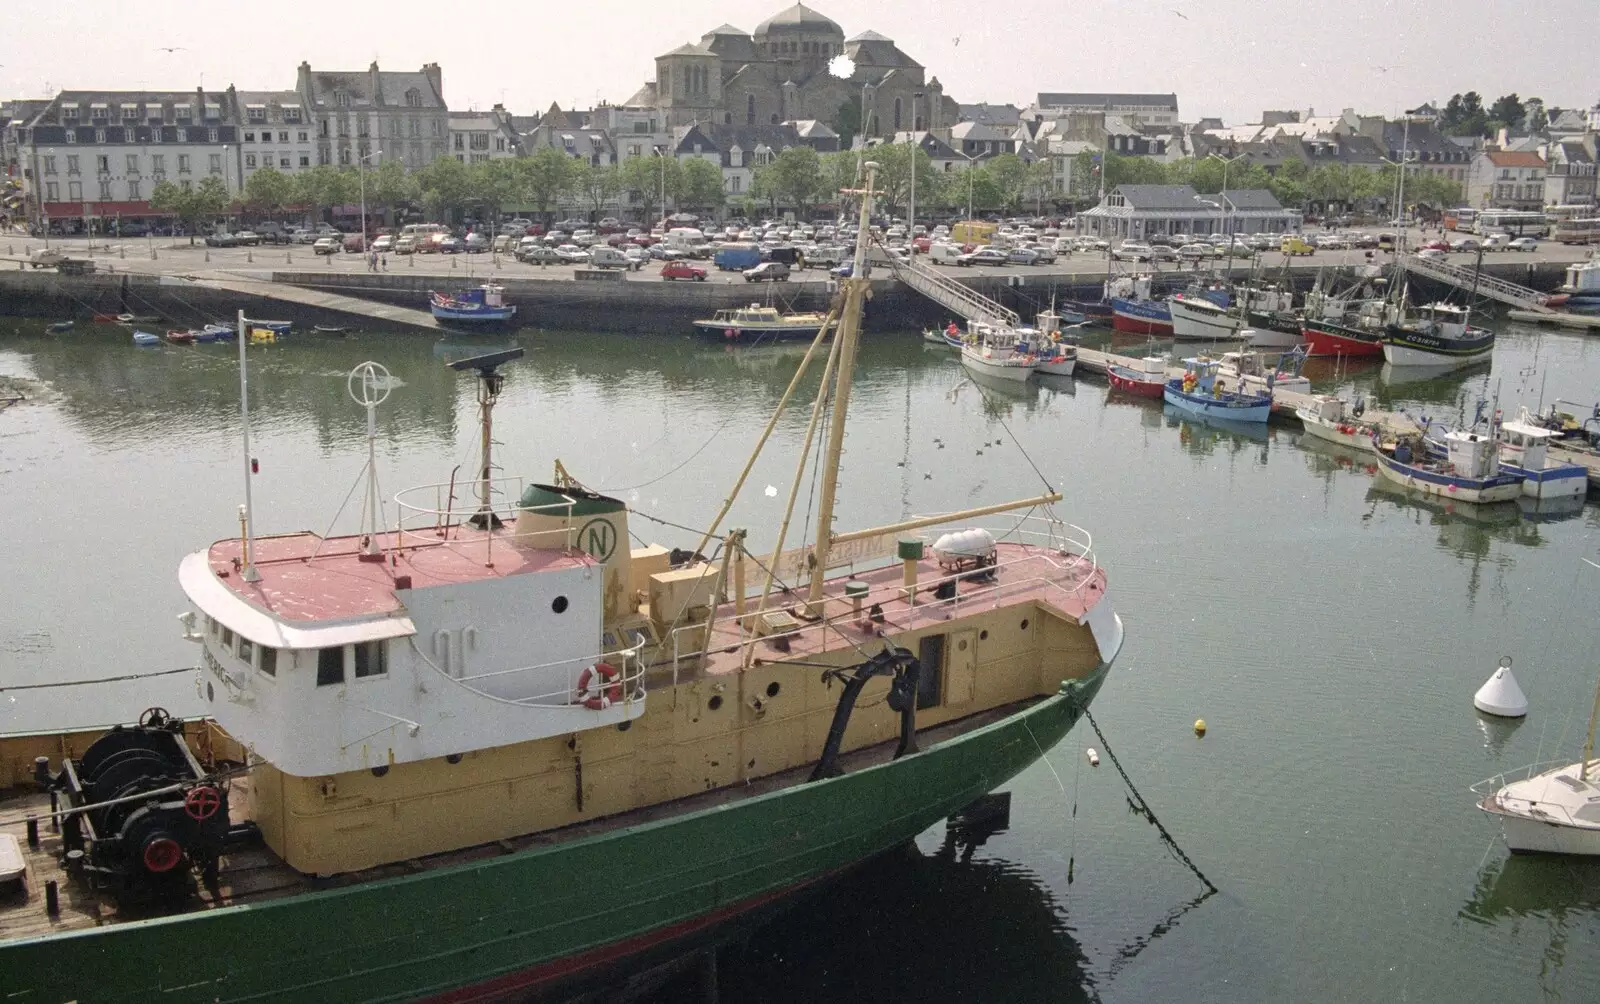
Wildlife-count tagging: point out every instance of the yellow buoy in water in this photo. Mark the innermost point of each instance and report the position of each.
(1199, 726)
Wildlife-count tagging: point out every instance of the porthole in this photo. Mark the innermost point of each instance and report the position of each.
(773, 688)
(715, 702)
(1024, 623)
(962, 645)
(452, 758)
(624, 726)
(559, 604)
(380, 770)
(983, 636)
(211, 695)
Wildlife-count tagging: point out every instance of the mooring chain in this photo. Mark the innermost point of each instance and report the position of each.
(1143, 808)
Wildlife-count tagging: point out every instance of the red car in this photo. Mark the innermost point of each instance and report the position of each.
(683, 270)
(1437, 246)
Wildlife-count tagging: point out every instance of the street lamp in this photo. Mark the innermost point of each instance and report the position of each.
(661, 152)
(1227, 162)
(361, 173)
(916, 144)
(971, 163)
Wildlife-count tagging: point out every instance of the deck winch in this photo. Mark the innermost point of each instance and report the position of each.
(140, 811)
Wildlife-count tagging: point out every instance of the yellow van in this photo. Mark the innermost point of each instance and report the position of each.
(1292, 244)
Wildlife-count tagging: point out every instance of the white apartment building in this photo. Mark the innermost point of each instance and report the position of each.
(358, 113)
(97, 155)
(275, 131)
(476, 137)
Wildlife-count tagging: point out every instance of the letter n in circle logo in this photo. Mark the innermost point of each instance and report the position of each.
(599, 538)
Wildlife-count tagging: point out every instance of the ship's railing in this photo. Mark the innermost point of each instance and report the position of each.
(458, 503)
(1531, 808)
(1068, 550)
(629, 682)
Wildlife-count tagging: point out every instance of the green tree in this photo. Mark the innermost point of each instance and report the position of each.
(321, 187)
(847, 121)
(545, 177)
(446, 186)
(1010, 176)
(1536, 119)
(894, 175)
(643, 179)
(1464, 115)
(1507, 111)
(1039, 184)
(167, 197)
(701, 184)
(389, 186)
(795, 176)
(838, 173)
(598, 184)
(268, 190)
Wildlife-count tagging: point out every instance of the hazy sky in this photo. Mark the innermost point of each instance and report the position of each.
(1230, 58)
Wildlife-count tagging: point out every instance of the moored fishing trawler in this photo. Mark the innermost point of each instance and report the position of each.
(492, 752)
(760, 323)
(481, 305)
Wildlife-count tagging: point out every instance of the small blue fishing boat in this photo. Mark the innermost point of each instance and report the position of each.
(1197, 393)
(216, 333)
(479, 305)
(145, 338)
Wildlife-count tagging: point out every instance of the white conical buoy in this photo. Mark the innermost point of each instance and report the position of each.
(1500, 695)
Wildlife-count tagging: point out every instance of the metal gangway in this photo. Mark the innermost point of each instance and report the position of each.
(1480, 282)
(946, 292)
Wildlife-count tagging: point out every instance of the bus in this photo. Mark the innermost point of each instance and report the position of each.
(1514, 222)
(1560, 214)
(1578, 231)
(1459, 219)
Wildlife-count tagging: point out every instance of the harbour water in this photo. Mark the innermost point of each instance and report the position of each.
(1330, 629)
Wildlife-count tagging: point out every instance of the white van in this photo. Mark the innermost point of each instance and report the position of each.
(943, 254)
(603, 256)
(685, 239)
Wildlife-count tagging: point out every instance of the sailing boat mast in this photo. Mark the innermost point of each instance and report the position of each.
(847, 337)
(1588, 746)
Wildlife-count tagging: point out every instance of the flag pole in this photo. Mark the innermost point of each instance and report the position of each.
(247, 570)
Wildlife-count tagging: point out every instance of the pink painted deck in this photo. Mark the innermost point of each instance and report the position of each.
(1028, 574)
(337, 584)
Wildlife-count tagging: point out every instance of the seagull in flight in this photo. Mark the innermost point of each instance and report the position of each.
(1181, 14)
(171, 48)
(1382, 69)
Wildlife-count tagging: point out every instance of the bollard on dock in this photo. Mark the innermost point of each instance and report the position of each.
(33, 831)
(52, 898)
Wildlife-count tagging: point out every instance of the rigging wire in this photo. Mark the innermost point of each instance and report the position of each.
(732, 416)
(104, 679)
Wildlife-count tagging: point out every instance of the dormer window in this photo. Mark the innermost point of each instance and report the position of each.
(413, 98)
(341, 98)
(256, 113)
(99, 112)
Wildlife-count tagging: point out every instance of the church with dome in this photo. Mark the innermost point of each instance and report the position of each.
(781, 73)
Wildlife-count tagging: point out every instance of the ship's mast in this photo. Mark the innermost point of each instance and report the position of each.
(847, 337)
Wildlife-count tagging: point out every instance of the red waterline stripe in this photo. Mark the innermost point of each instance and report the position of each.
(545, 972)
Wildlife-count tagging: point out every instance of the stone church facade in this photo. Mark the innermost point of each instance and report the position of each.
(780, 73)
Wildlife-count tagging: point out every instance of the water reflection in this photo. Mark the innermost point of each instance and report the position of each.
(1203, 435)
(914, 927)
(1426, 384)
(1543, 898)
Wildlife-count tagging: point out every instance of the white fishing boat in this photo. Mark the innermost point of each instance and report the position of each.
(1197, 319)
(1469, 470)
(1334, 420)
(1055, 356)
(997, 352)
(1270, 338)
(765, 323)
(1524, 450)
(1251, 373)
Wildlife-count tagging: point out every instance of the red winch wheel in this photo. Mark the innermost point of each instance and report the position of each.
(203, 802)
(162, 854)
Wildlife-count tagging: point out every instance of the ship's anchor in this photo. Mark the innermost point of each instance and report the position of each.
(899, 663)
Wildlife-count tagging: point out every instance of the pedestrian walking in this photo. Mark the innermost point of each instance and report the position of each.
(385, 260)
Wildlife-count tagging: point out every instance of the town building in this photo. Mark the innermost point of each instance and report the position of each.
(478, 137)
(378, 114)
(781, 73)
(96, 156)
(1570, 178)
(1138, 109)
(1139, 212)
(978, 142)
(275, 132)
(1506, 179)
(1420, 144)
(738, 150)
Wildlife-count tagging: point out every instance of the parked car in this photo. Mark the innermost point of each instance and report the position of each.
(767, 271)
(1163, 252)
(449, 245)
(1294, 244)
(1465, 245)
(1022, 256)
(1194, 252)
(328, 230)
(661, 252)
(302, 235)
(355, 244)
(538, 254)
(475, 243)
(222, 239)
(1523, 244)
(603, 256)
(1431, 254)
(984, 256)
(328, 245)
(572, 254)
(1132, 251)
(683, 270)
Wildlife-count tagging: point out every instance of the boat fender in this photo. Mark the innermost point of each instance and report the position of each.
(1094, 757)
(600, 686)
(729, 333)
(1358, 407)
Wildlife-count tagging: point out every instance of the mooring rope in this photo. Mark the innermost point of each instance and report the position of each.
(1143, 807)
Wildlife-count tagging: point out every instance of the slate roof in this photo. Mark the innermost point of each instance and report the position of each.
(1160, 197)
(997, 115)
(1068, 99)
(1252, 198)
(688, 49)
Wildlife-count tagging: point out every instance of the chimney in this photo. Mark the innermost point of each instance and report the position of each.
(436, 77)
(374, 89)
(303, 78)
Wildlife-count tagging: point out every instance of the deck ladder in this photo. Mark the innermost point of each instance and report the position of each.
(1487, 285)
(948, 293)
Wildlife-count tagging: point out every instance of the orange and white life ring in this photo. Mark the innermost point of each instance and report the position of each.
(600, 686)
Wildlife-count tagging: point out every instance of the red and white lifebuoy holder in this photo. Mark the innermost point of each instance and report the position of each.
(600, 686)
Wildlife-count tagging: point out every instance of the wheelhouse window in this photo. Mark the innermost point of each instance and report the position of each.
(371, 659)
(269, 661)
(227, 638)
(247, 649)
(330, 666)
